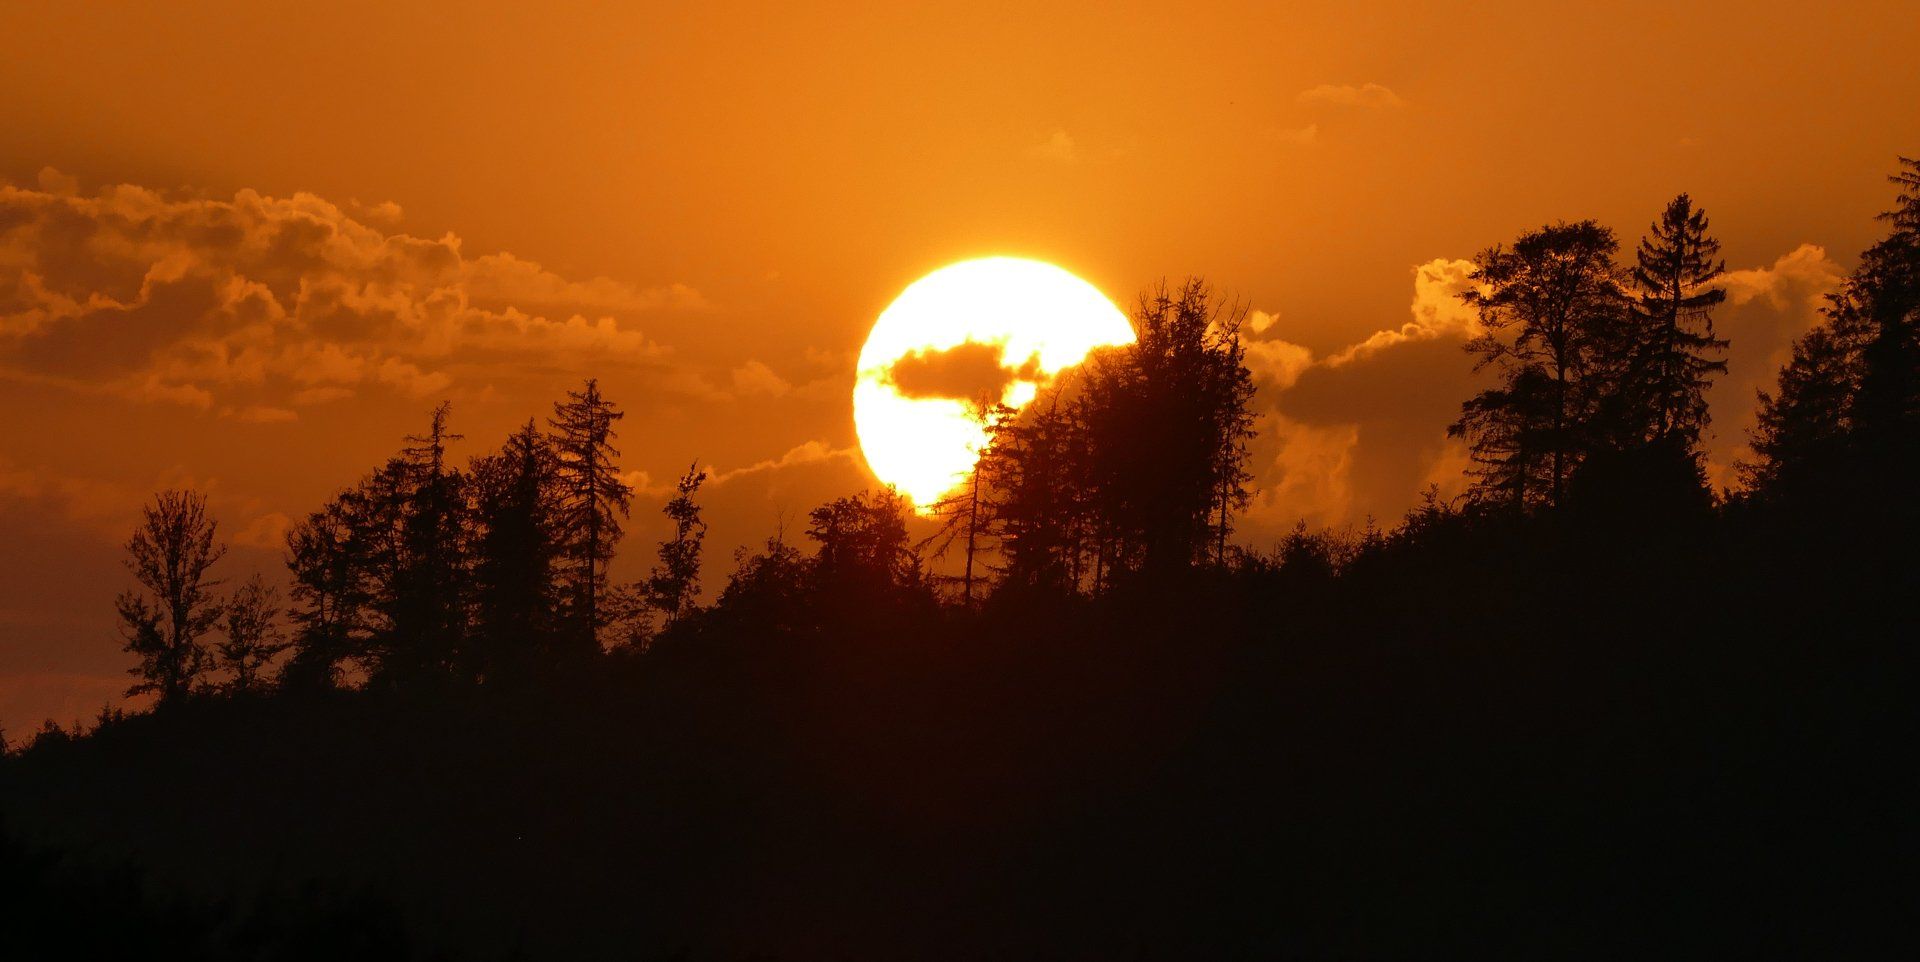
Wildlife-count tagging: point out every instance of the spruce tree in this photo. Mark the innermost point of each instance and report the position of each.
(1847, 410)
(1673, 361)
(514, 554)
(1803, 423)
(426, 609)
(330, 594)
(592, 500)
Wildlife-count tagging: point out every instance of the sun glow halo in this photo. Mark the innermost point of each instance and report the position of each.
(1041, 319)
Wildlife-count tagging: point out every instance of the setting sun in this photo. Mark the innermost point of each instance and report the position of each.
(996, 327)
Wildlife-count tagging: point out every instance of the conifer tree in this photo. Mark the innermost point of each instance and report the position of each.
(1804, 421)
(591, 502)
(1847, 409)
(1035, 500)
(515, 550)
(330, 594)
(171, 554)
(1507, 428)
(426, 601)
(1671, 362)
(1879, 311)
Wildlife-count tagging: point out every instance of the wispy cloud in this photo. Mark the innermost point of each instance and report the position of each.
(1298, 136)
(1369, 95)
(1058, 148)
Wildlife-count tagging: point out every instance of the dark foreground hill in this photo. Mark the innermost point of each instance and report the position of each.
(1489, 739)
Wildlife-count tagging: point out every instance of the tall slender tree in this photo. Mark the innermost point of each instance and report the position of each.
(1673, 358)
(514, 553)
(426, 602)
(591, 502)
(171, 554)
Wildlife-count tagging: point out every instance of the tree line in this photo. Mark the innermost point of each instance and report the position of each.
(1129, 471)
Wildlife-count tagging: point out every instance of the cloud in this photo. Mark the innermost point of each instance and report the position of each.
(257, 304)
(320, 395)
(1361, 431)
(1447, 470)
(1308, 477)
(1437, 308)
(1368, 95)
(1058, 148)
(812, 452)
(1298, 136)
(55, 182)
(265, 531)
(106, 507)
(1767, 308)
(79, 499)
(756, 378)
(260, 414)
(1806, 274)
(968, 370)
(1275, 362)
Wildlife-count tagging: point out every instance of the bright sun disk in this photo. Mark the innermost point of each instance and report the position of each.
(1041, 318)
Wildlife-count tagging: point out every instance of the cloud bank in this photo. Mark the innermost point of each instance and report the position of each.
(254, 307)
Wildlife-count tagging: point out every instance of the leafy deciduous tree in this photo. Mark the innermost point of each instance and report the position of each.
(170, 555)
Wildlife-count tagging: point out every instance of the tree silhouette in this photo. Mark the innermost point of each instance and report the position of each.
(674, 585)
(426, 603)
(864, 548)
(1668, 363)
(1879, 309)
(515, 492)
(170, 555)
(966, 516)
(1845, 417)
(330, 594)
(253, 636)
(1168, 421)
(1549, 305)
(1036, 503)
(591, 503)
(769, 588)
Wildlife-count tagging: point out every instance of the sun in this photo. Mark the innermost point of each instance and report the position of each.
(998, 327)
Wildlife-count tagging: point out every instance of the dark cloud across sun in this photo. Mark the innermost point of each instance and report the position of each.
(967, 371)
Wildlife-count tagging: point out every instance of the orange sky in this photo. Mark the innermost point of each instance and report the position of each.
(738, 191)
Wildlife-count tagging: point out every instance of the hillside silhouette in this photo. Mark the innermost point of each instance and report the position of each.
(1591, 708)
